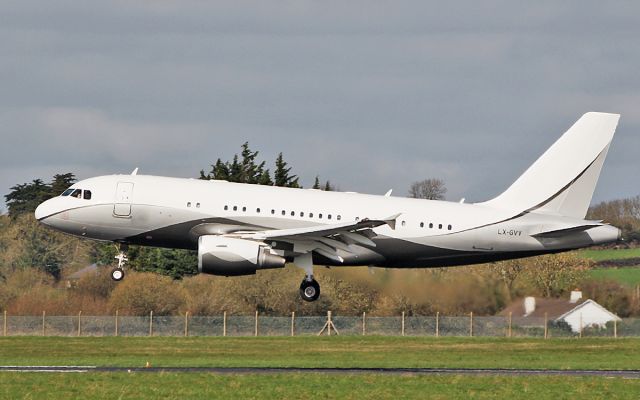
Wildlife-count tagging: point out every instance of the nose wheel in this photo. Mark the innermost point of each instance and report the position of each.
(309, 289)
(117, 274)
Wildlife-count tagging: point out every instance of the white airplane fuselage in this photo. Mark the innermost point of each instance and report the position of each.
(239, 228)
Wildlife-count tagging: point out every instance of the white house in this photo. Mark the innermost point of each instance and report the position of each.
(577, 312)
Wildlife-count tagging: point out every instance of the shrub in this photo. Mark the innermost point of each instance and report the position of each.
(140, 293)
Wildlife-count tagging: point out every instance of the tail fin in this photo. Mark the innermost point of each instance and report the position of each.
(563, 179)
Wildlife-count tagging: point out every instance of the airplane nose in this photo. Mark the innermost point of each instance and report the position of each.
(43, 211)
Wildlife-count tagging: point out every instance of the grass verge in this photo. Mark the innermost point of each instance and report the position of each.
(353, 351)
(305, 386)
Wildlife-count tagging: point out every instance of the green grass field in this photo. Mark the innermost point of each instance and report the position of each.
(317, 352)
(609, 254)
(593, 353)
(626, 275)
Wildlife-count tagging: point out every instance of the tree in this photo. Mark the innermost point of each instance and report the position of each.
(431, 189)
(281, 175)
(24, 198)
(555, 274)
(316, 183)
(509, 271)
(61, 182)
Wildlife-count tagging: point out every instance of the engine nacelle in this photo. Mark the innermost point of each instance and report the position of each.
(228, 256)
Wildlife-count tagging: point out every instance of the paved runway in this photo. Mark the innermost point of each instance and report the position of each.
(387, 371)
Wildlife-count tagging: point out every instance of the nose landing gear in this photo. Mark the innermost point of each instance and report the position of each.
(117, 274)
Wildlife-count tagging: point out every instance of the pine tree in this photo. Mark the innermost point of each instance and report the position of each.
(61, 182)
(316, 183)
(281, 175)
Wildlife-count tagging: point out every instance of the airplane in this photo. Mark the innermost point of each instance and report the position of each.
(238, 229)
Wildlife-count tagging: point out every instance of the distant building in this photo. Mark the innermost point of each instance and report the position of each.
(576, 312)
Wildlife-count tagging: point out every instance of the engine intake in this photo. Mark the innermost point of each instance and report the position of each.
(219, 255)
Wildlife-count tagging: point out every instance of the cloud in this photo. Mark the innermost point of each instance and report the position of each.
(366, 94)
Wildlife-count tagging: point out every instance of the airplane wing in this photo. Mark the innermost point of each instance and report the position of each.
(326, 240)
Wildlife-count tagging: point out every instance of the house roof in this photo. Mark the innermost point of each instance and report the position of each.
(90, 269)
(583, 304)
(554, 308)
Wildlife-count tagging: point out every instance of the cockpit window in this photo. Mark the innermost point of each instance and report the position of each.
(76, 193)
(87, 195)
(67, 192)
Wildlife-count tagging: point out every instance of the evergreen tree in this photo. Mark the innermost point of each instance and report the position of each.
(281, 175)
(328, 187)
(61, 182)
(316, 183)
(24, 198)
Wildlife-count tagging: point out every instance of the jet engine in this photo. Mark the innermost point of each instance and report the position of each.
(219, 255)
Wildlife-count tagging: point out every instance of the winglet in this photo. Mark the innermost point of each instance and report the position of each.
(388, 194)
(134, 172)
(391, 221)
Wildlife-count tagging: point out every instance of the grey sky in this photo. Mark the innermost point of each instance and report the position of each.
(371, 95)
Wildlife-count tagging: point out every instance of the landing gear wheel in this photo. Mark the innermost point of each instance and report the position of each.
(309, 290)
(117, 274)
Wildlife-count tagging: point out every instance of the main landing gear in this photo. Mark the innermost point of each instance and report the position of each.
(309, 288)
(117, 274)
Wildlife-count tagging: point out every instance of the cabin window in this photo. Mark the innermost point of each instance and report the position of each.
(283, 212)
(226, 208)
(197, 205)
(403, 223)
(293, 213)
(430, 225)
(439, 226)
(449, 227)
(244, 209)
(320, 216)
(235, 208)
(188, 204)
(87, 195)
(258, 210)
(357, 218)
(273, 211)
(302, 213)
(67, 192)
(310, 215)
(329, 216)
(421, 224)
(339, 217)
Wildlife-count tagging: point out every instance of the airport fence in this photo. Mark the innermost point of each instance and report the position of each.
(292, 325)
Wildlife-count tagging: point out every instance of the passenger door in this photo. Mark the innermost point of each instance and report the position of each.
(122, 203)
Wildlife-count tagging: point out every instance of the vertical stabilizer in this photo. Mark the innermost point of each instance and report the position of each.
(563, 179)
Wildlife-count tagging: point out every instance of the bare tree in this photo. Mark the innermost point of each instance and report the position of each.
(431, 189)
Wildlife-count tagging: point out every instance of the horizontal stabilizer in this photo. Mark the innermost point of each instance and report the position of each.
(564, 232)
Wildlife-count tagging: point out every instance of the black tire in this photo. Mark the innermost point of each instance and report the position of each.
(117, 274)
(309, 290)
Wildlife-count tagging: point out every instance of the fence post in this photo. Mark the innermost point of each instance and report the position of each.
(403, 323)
(43, 317)
(364, 323)
(510, 332)
(293, 318)
(116, 322)
(471, 324)
(438, 324)
(329, 322)
(186, 323)
(546, 326)
(224, 324)
(4, 324)
(615, 328)
(79, 323)
(150, 323)
(256, 327)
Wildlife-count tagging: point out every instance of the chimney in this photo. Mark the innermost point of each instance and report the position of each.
(529, 305)
(575, 296)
